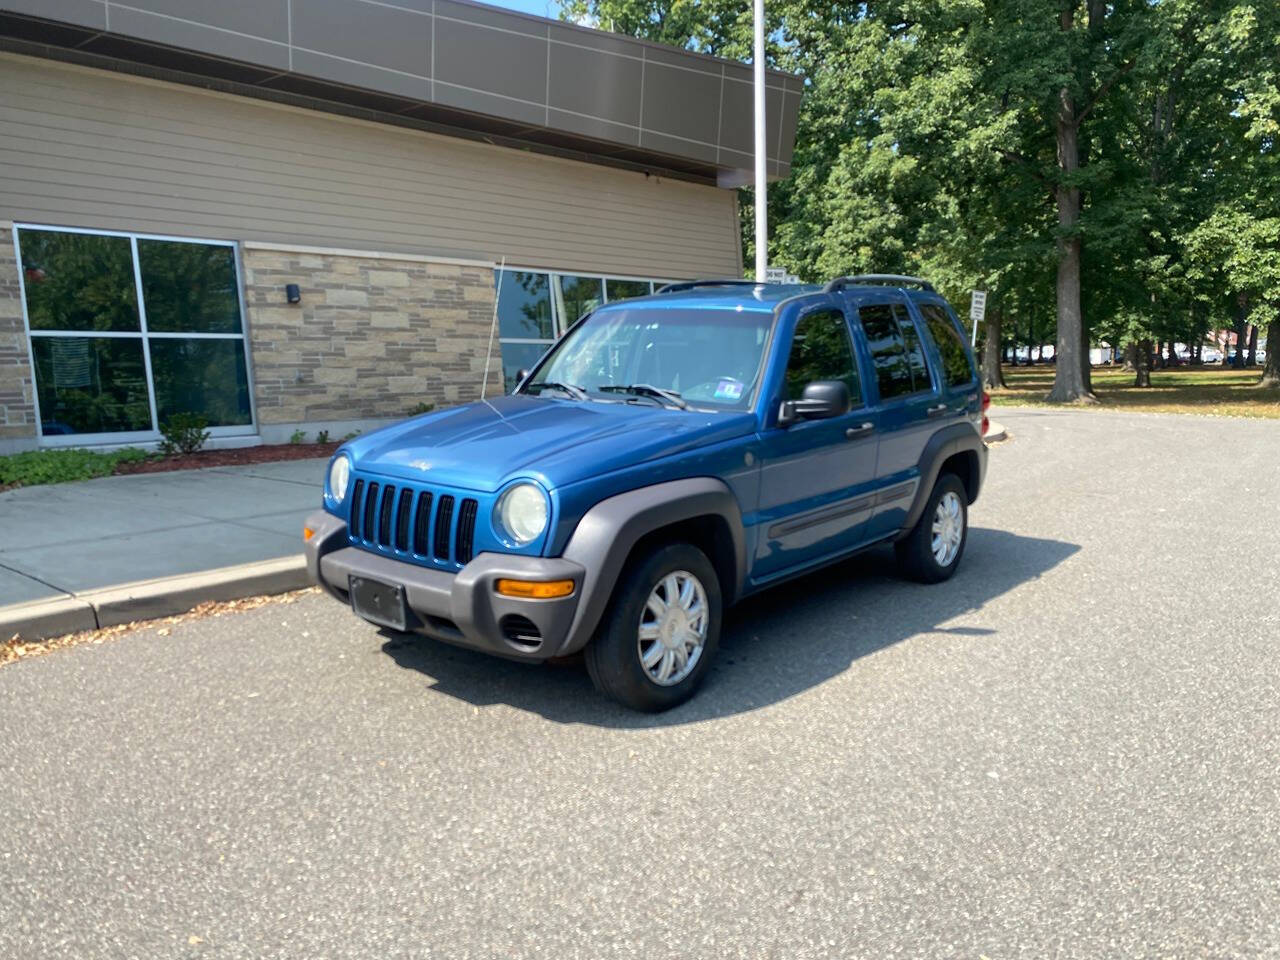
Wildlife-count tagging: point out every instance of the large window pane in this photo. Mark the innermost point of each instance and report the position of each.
(207, 377)
(78, 281)
(578, 296)
(189, 287)
(625, 289)
(524, 305)
(91, 385)
(517, 357)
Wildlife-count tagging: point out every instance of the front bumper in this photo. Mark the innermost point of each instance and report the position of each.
(463, 608)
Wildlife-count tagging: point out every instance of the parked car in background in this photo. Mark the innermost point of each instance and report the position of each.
(668, 456)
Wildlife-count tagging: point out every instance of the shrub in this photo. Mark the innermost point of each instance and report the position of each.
(183, 433)
(63, 466)
(298, 436)
(420, 408)
(322, 436)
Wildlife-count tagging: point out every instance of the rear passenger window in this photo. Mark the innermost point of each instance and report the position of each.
(893, 371)
(821, 350)
(915, 349)
(956, 367)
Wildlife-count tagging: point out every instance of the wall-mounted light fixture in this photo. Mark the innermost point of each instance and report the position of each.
(293, 293)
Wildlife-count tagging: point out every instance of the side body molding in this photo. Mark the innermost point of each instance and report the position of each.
(957, 438)
(608, 531)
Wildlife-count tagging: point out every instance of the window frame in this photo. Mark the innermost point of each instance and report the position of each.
(922, 340)
(142, 334)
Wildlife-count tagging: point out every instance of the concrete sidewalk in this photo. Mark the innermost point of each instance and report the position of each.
(66, 540)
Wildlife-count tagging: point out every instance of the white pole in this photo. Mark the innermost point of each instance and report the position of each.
(762, 215)
(493, 327)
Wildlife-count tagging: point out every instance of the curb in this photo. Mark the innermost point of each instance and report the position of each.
(995, 432)
(149, 599)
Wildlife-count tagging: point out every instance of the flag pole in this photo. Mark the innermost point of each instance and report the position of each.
(762, 214)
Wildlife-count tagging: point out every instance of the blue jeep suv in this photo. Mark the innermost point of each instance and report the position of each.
(668, 456)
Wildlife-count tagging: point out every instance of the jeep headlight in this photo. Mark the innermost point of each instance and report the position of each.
(339, 477)
(522, 513)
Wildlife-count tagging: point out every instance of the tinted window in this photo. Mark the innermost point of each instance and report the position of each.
(524, 305)
(893, 371)
(915, 349)
(821, 350)
(78, 281)
(189, 287)
(625, 289)
(956, 368)
(91, 384)
(578, 296)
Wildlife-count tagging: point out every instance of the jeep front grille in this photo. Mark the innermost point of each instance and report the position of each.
(404, 519)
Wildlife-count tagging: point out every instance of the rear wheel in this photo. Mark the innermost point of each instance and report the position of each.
(661, 630)
(931, 552)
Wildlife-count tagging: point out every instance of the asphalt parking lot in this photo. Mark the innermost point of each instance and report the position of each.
(1072, 749)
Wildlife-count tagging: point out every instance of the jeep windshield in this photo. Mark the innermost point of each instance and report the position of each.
(708, 359)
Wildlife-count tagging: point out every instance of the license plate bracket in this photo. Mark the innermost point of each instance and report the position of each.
(379, 602)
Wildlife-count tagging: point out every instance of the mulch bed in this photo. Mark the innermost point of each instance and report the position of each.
(238, 456)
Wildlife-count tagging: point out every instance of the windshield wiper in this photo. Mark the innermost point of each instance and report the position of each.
(648, 390)
(577, 393)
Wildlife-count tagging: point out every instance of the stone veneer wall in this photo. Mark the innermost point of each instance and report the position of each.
(373, 336)
(17, 405)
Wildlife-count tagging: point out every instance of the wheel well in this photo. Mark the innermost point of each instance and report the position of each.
(710, 534)
(965, 466)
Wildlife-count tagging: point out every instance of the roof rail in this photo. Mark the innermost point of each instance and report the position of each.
(694, 284)
(885, 279)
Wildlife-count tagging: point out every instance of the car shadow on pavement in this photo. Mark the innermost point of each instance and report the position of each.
(775, 645)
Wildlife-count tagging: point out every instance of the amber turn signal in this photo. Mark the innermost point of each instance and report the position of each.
(307, 533)
(535, 590)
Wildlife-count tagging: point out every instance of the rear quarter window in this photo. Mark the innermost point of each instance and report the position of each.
(957, 369)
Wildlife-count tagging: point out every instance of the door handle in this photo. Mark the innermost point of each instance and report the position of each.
(861, 430)
(939, 411)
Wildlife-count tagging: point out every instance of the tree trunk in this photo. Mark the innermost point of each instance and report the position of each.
(1173, 355)
(1069, 384)
(1242, 314)
(1130, 357)
(992, 375)
(1252, 359)
(1142, 364)
(1271, 372)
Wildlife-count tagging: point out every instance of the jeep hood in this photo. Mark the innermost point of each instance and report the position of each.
(483, 445)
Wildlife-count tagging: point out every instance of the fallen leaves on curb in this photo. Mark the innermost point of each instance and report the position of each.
(16, 648)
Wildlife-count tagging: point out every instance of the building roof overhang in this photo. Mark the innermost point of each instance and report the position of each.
(452, 66)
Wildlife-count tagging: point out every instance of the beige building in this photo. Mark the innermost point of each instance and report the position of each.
(320, 217)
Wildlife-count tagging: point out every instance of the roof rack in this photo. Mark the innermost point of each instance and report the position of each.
(884, 279)
(694, 284)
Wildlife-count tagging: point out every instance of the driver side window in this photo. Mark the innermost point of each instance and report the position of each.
(822, 350)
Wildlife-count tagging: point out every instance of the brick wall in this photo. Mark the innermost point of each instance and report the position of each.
(17, 406)
(372, 337)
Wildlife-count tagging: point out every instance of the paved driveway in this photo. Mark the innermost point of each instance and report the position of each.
(1068, 750)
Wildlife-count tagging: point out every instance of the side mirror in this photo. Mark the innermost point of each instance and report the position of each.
(821, 400)
(521, 376)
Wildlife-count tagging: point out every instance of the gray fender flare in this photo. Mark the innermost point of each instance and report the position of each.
(607, 532)
(946, 443)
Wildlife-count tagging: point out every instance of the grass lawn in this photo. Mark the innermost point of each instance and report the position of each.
(1209, 391)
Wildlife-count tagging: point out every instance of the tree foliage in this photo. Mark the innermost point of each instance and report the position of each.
(1107, 170)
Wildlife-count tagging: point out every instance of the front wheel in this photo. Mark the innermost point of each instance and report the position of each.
(931, 552)
(660, 632)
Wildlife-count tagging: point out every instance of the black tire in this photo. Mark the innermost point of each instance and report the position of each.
(915, 552)
(613, 657)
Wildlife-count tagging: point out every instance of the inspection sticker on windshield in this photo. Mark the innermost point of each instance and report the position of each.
(729, 390)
